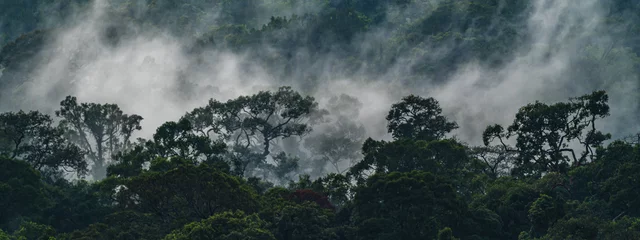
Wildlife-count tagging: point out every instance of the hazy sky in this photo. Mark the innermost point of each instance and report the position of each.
(142, 73)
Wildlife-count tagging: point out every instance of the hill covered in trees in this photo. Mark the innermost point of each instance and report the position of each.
(322, 119)
(211, 174)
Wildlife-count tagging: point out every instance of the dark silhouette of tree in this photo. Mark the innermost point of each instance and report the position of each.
(226, 225)
(418, 118)
(32, 137)
(183, 192)
(441, 157)
(100, 129)
(302, 195)
(257, 120)
(22, 191)
(543, 133)
(177, 139)
(495, 159)
(410, 205)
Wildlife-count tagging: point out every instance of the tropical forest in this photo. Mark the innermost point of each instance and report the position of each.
(319, 119)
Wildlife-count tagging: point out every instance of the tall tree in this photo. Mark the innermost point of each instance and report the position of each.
(186, 192)
(226, 225)
(544, 133)
(177, 139)
(410, 205)
(418, 118)
(258, 120)
(22, 191)
(100, 129)
(33, 138)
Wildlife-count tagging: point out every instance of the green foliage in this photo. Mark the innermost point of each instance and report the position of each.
(32, 137)
(543, 134)
(186, 184)
(446, 234)
(336, 187)
(226, 225)
(3, 235)
(418, 118)
(75, 205)
(411, 205)
(31, 230)
(100, 129)
(624, 228)
(304, 220)
(511, 201)
(121, 225)
(179, 140)
(551, 174)
(186, 193)
(544, 212)
(252, 122)
(22, 193)
(284, 165)
(575, 228)
(445, 157)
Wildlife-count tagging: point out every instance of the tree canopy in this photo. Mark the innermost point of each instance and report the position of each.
(562, 179)
(293, 157)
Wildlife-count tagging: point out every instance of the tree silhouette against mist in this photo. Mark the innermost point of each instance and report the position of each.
(100, 129)
(543, 134)
(251, 122)
(32, 137)
(417, 126)
(418, 118)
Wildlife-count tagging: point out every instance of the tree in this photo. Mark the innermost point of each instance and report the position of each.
(243, 159)
(35, 231)
(76, 205)
(418, 118)
(625, 228)
(172, 140)
(131, 163)
(177, 139)
(337, 144)
(100, 129)
(544, 212)
(186, 192)
(22, 191)
(260, 119)
(336, 187)
(234, 225)
(612, 178)
(307, 195)
(291, 217)
(581, 228)
(446, 157)
(510, 199)
(495, 160)
(543, 134)
(4, 236)
(284, 165)
(31, 137)
(446, 234)
(122, 225)
(409, 205)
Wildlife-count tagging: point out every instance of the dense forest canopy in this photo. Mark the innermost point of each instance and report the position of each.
(319, 119)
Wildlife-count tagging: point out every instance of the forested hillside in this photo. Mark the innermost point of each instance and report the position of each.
(319, 119)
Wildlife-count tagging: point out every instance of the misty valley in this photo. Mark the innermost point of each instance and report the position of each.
(319, 119)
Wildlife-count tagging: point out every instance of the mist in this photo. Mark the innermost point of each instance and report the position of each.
(155, 72)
